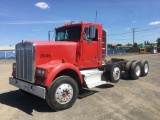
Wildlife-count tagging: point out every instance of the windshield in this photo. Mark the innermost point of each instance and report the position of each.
(68, 33)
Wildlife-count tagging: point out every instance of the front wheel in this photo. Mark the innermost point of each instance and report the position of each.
(62, 93)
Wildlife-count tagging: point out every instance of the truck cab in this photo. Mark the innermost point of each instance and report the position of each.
(88, 37)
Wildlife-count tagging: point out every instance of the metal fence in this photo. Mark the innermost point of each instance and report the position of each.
(117, 51)
(8, 54)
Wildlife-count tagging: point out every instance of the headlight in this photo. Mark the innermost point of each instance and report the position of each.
(43, 72)
(40, 71)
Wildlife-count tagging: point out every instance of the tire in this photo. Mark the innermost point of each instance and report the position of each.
(114, 73)
(127, 69)
(47, 100)
(62, 93)
(144, 68)
(135, 70)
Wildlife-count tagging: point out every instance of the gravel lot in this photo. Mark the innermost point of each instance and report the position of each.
(126, 100)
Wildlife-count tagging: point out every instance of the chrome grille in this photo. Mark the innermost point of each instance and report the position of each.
(25, 61)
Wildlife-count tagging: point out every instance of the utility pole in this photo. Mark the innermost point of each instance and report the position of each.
(133, 29)
(133, 34)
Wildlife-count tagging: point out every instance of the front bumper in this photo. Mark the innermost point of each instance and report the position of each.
(33, 89)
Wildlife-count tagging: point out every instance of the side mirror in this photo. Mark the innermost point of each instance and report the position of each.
(49, 34)
(92, 33)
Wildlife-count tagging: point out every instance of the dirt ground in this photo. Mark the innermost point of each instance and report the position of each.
(126, 100)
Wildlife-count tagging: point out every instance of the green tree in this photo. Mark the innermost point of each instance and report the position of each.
(148, 43)
(119, 44)
(109, 46)
(129, 44)
(158, 42)
(135, 45)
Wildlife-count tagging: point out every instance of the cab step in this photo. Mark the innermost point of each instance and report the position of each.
(93, 77)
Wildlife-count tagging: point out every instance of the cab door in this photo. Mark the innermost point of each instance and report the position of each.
(90, 55)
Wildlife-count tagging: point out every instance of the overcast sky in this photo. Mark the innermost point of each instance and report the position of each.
(32, 19)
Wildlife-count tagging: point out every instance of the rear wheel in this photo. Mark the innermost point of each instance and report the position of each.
(127, 69)
(62, 93)
(144, 68)
(114, 73)
(135, 70)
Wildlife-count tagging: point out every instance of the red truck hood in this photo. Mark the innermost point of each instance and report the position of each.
(46, 51)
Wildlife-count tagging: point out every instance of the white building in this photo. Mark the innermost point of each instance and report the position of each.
(7, 48)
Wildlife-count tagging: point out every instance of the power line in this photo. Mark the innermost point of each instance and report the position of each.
(121, 39)
(147, 35)
(147, 29)
(120, 33)
(134, 31)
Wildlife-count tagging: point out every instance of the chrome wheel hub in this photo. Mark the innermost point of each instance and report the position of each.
(116, 73)
(138, 70)
(146, 68)
(64, 93)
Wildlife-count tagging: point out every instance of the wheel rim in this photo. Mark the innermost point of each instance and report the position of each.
(64, 93)
(116, 73)
(146, 68)
(138, 70)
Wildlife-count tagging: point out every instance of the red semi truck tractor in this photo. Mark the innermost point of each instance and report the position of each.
(58, 70)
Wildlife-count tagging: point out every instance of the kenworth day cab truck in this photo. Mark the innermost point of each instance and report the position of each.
(58, 70)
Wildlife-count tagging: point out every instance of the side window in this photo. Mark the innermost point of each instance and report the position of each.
(86, 34)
